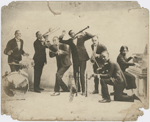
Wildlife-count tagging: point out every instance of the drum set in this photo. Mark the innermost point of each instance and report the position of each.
(17, 83)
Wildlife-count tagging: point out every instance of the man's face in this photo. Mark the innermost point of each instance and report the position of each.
(18, 35)
(105, 57)
(95, 40)
(56, 40)
(72, 34)
(125, 51)
(39, 35)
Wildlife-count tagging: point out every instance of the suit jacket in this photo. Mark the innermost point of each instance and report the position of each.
(123, 62)
(63, 59)
(112, 70)
(16, 55)
(82, 53)
(99, 49)
(75, 57)
(40, 53)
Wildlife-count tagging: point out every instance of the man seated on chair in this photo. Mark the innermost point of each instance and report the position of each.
(115, 77)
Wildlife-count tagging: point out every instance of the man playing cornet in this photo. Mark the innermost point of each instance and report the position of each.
(61, 53)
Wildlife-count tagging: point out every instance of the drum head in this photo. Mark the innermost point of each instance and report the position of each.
(15, 84)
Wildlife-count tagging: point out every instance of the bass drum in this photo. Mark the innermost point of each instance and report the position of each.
(15, 83)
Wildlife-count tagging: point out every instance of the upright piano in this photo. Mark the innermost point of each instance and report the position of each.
(141, 72)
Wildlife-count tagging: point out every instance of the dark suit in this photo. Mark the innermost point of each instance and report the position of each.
(99, 49)
(124, 64)
(75, 57)
(63, 63)
(39, 60)
(16, 55)
(82, 56)
(119, 82)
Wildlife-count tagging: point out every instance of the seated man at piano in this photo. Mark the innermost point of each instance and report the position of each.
(14, 50)
(124, 63)
(113, 76)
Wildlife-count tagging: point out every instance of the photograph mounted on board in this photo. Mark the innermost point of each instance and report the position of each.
(74, 60)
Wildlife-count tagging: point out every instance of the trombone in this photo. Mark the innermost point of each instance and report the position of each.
(50, 31)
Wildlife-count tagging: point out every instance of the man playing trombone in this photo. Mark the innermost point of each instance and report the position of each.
(97, 49)
(39, 58)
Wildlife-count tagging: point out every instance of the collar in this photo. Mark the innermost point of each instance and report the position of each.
(17, 40)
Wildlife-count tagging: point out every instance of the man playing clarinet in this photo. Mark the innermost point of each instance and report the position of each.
(79, 53)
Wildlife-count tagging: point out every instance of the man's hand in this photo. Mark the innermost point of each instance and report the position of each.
(59, 52)
(48, 44)
(97, 55)
(113, 80)
(10, 52)
(137, 65)
(63, 32)
(50, 30)
(134, 56)
(25, 54)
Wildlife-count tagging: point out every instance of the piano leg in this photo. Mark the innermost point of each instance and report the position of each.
(145, 87)
(138, 86)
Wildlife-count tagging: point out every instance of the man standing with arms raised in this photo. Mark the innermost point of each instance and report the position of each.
(78, 53)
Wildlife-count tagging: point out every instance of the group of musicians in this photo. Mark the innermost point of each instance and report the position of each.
(105, 70)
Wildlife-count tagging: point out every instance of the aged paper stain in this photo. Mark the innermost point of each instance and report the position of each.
(115, 23)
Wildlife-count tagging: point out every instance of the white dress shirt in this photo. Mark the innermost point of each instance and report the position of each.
(75, 41)
(18, 43)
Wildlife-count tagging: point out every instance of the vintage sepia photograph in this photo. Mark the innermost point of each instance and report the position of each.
(74, 60)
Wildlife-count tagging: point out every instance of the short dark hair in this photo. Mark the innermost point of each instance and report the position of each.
(106, 52)
(69, 32)
(122, 48)
(95, 36)
(37, 33)
(16, 31)
(55, 37)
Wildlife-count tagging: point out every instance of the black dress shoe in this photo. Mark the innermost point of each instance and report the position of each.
(37, 91)
(83, 93)
(95, 92)
(136, 97)
(40, 89)
(112, 93)
(65, 91)
(104, 101)
(124, 93)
